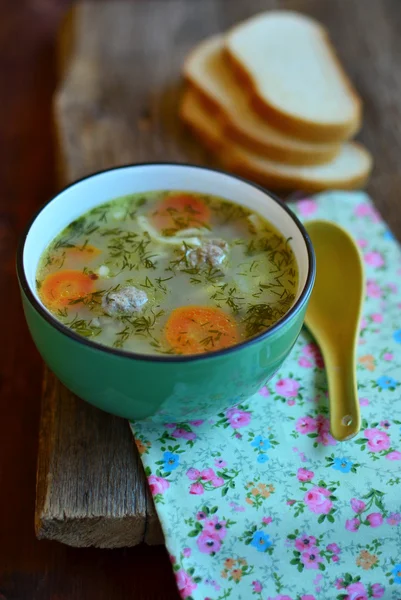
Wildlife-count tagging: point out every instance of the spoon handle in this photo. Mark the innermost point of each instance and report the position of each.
(345, 418)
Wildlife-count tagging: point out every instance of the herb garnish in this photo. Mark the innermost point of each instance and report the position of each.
(84, 327)
(141, 326)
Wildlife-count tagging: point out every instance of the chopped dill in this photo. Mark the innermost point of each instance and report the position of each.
(226, 294)
(255, 283)
(84, 327)
(141, 326)
(148, 284)
(111, 231)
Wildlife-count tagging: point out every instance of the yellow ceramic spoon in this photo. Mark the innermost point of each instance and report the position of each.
(333, 317)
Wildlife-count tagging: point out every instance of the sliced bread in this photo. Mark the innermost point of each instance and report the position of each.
(288, 64)
(348, 170)
(206, 70)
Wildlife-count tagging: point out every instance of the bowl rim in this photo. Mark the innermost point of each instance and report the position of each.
(167, 358)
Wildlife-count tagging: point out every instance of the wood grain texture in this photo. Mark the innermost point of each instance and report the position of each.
(32, 569)
(90, 489)
(118, 104)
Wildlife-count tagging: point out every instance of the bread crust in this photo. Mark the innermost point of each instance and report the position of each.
(275, 151)
(234, 160)
(301, 128)
(235, 131)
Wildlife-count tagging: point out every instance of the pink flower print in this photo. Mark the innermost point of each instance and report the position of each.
(373, 289)
(366, 210)
(238, 418)
(362, 243)
(363, 402)
(377, 590)
(291, 402)
(311, 558)
(183, 433)
(312, 356)
(219, 462)
(339, 583)
(196, 489)
(377, 318)
(356, 591)
(207, 474)
(394, 455)
(291, 502)
(388, 356)
(264, 391)
(267, 520)
(236, 507)
(319, 361)
(374, 259)
(257, 587)
(308, 597)
(186, 552)
(216, 526)
(352, 524)
(200, 515)
(375, 519)
(386, 424)
(363, 324)
(317, 500)
(185, 584)
(287, 387)
(157, 485)
(333, 548)
(323, 428)
(377, 440)
(306, 425)
(305, 542)
(311, 350)
(196, 423)
(307, 207)
(304, 474)
(193, 474)
(357, 506)
(217, 481)
(394, 519)
(209, 542)
(305, 362)
(335, 558)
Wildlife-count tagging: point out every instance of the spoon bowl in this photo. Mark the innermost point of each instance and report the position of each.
(333, 317)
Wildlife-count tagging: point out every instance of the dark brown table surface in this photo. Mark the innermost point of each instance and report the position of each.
(29, 569)
(32, 570)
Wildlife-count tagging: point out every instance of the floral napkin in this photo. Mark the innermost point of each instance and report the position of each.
(259, 501)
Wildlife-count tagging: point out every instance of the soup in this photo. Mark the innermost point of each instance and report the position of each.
(168, 272)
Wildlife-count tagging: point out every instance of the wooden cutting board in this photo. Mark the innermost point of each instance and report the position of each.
(119, 66)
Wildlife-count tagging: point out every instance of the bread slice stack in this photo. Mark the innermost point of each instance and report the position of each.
(272, 102)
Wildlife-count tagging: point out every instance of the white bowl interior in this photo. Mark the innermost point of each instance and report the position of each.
(84, 195)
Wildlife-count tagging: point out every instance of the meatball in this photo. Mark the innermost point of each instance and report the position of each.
(211, 252)
(126, 301)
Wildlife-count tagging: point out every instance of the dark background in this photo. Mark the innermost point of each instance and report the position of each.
(32, 570)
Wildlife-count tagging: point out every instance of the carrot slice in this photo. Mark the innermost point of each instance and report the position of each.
(180, 211)
(58, 289)
(198, 329)
(83, 253)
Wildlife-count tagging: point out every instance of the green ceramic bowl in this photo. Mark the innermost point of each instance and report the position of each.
(172, 388)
